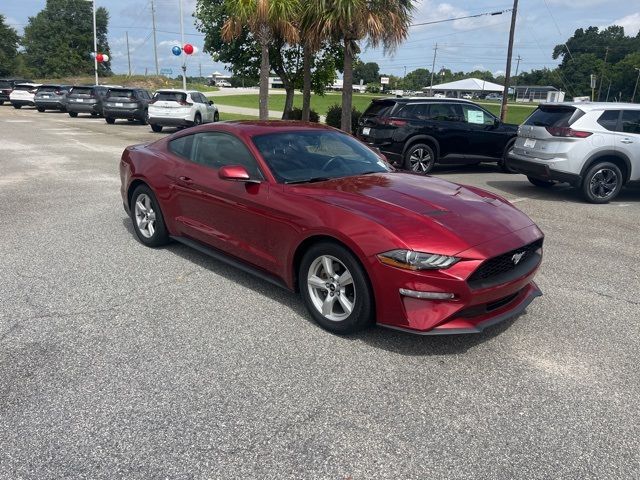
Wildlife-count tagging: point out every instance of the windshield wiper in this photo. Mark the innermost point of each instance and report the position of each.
(309, 180)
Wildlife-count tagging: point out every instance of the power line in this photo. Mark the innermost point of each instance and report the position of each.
(485, 14)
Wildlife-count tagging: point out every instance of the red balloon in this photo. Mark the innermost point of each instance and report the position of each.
(100, 58)
(188, 48)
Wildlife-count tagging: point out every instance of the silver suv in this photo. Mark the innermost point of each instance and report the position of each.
(592, 146)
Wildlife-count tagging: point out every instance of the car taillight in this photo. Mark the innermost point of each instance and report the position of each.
(567, 132)
(393, 121)
(58, 92)
(33, 90)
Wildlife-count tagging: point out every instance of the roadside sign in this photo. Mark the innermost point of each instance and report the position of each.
(384, 80)
(166, 71)
(593, 81)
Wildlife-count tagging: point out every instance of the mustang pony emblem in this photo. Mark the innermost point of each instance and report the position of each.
(517, 257)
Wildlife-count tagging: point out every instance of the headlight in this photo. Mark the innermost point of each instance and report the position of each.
(410, 260)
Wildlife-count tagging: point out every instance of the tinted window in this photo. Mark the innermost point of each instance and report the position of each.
(170, 96)
(121, 93)
(48, 88)
(448, 112)
(609, 119)
(182, 146)
(378, 109)
(552, 117)
(81, 90)
(631, 121)
(414, 111)
(5, 84)
(23, 87)
(299, 156)
(216, 150)
(477, 116)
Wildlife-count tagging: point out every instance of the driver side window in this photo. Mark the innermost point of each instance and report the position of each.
(215, 150)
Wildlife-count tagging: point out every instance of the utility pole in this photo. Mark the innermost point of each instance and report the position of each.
(95, 43)
(155, 42)
(507, 74)
(516, 77)
(604, 66)
(200, 68)
(184, 61)
(433, 67)
(128, 53)
(636, 86)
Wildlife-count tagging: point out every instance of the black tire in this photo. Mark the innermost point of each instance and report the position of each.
(156, 128)
(1, 102)
(17, 107)
(130, 119)
(197, 120)
(160, 235)
(110, 120)
(94, 114)
(419, 158)
(73, 114)
(602, 182)
(538, 182)
(216, 117)
(358, 292)
(145, 118)
(503, 163)
(40, 109)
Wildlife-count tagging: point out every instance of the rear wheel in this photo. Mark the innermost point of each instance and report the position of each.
(148, 222)
(145, 118)
(156, 128)
(216, 117)
(17, 106)
(541, 183)
(110, 120)
(197, 120)
(503, 163)
(73, 114)
(335, 288)
(602, 183)
(40, 109)
(419, 158)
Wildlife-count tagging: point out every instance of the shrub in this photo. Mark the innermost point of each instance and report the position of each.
(296, 114)
(334, 115)
(373, 88)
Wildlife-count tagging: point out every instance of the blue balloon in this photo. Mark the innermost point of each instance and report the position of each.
(176, 50)
(93, 54)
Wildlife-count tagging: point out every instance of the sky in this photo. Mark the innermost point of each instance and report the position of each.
(463, 45)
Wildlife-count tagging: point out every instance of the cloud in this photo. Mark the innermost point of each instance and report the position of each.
(581, 4)
(631, 24)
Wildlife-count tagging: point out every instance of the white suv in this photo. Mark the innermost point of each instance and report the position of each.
(180, 108)
(592, 146)
(23, 94)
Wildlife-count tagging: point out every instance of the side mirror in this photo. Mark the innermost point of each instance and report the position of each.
(496, 122)
(235, 173)
(210, 102)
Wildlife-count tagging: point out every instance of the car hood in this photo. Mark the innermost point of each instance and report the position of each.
(423, 211)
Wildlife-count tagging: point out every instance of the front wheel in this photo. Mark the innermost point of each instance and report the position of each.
(503, 163)
(541, 183)
(335, 288)
(73, 114)
(17, 107)
(148, 222)
(40, 109)
(110, 120)
(216, 117)
(602, 183)
(145, 118)
(156, 128)
(419, 158)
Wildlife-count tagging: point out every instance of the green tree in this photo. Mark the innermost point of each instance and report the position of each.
(380, 22)
(367, 72)
(417, 79)
(58, 41)
(8, 49)
(265, 20)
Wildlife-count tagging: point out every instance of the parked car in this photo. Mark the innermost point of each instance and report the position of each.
(52, 97)
(417, 133)
(6, 87)
(493, 96)
(180, 108)
(22, 94)
(86, 99)
(129, 103)
(592, 146)
(467, 96)
(314, 210)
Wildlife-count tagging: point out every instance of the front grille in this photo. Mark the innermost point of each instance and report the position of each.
(504, 264)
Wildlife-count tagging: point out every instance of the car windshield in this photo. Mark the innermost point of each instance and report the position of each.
(120, 93)
(5, 84)
(170, 96)
(82, 90)
(306, 156)
(49, 88)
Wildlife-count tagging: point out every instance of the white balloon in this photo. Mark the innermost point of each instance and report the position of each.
(105, 57)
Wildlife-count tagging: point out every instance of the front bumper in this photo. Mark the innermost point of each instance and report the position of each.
(474, 307)
(541, 170)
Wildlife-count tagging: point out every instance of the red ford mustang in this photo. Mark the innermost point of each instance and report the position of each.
(314, 210)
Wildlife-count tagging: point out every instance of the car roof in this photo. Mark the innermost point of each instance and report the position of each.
(423, 99)
(29, 84)
(588, 106)
(175, 90)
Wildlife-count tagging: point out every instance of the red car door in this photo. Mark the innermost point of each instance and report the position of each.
(227, 215)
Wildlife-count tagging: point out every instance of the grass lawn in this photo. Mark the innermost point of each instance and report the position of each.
(151, 82)
(515, 114)
(236, 116)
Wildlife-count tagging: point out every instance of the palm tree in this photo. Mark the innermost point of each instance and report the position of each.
(380, 22)
(265, 19)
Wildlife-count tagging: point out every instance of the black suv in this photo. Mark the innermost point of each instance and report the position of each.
(416, 133)
(86, 99)
(6, 87)
(129, 103)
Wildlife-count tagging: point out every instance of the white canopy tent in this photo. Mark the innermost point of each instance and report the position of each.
(467, 85)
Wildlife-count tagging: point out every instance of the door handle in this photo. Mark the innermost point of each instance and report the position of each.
(626, 140)
(186, 180)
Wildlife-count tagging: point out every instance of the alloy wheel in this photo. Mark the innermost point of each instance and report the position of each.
(420, 160)
(603, 183)
(331, 288)
(145, 216)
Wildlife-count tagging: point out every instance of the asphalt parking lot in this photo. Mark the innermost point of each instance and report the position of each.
(119, 361)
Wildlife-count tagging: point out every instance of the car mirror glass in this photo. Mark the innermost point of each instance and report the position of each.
(235, 173)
